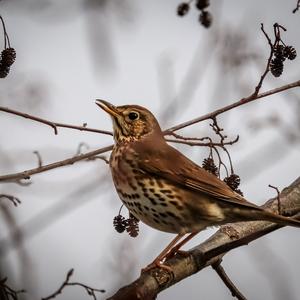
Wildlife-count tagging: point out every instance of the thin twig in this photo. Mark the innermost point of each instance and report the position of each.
(218, 130)
(180, 139)
(14, 200)
(54, 125)
(297, 7)
(39, 157)
(89, 290)
(80, 147)
(23, 175)
(222, 274)
(5, 34)
(220, 162)
(101, 157)
(185, 138)
(10, 292)
(278, 197)
(169, 131)
(68, 161)
(233, 105)
(267, 69)
(209, 144)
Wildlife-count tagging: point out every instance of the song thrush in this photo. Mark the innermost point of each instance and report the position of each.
(165, 189)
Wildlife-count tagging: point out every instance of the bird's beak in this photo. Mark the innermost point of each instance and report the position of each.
(109, 108)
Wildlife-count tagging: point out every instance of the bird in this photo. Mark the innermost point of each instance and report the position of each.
(166, 190)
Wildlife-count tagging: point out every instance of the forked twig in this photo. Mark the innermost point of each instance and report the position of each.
(14, 200)
(238, 103)
(297, 7)
(54, 125)
(91, 291)
(10, 293)
(65, 162)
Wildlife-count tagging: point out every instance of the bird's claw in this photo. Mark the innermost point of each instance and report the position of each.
(175, 252)
(157, 264)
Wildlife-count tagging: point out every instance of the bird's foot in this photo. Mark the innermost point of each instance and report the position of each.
(174, 252)
(157, 264)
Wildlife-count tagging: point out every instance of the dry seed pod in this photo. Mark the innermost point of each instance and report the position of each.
(233, 181)
(132, 226)
(8, 56)
(276, 67)
(183, 9)
(209, 165)
(4, 70)
(205, 19)
(119, 223)
(290, 52)
(201, 4)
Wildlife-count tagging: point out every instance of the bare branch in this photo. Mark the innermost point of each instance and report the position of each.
(102, 157)
(39, 157)
(210, 115)
(278, 197)
(233, 105)
(297, 7)
(190, 141)
(185, 138)
(222, 274)
(6, 37)
(28, 173)
(15, 201)
(80, 147)
(54, 125)
(229, 237)
(209, 144)
(91, 291)
(267, 69)
(68, 161)
(10, 293)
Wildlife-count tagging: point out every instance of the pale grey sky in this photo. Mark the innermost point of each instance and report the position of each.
(69, 54)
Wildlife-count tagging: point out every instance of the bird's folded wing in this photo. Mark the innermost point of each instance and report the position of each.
(171, 165)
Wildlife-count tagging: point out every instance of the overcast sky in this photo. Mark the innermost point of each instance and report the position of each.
(139, 52)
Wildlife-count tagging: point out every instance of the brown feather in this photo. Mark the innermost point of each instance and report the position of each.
(165, 162)
(168, 163)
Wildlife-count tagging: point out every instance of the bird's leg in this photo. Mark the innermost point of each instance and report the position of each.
(159, 259)
(175, 250)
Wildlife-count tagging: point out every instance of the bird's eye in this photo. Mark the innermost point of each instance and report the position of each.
(133, 115)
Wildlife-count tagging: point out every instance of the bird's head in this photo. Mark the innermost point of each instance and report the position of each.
(131, 122)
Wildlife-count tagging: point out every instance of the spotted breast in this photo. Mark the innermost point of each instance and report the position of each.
(153, 200)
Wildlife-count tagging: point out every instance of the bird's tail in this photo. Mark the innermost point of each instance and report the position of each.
(281, 220)
(271, 217)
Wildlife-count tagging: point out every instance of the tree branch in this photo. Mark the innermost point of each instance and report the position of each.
(169, 131)
(225, 278)
(40, 169)
(26, 174)
(8, 292)
(240, 102)
(91, 291)
(228, 237)
(297, 7)
(54, 125)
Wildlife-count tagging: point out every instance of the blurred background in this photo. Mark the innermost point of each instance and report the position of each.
(139, 52)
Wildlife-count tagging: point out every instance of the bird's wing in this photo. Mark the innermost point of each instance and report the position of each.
(168, 163)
